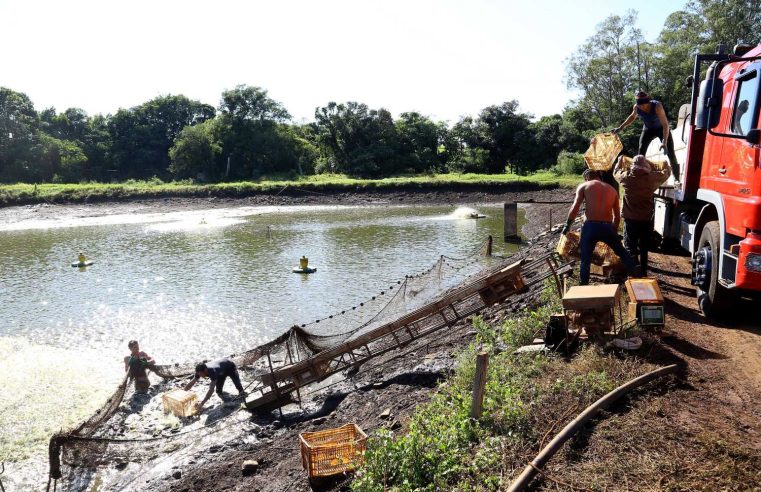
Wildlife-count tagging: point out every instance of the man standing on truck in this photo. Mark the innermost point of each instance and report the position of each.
(639, 182)
(655, 124)
(602, 218)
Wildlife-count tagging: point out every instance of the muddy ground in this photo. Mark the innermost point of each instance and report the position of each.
(382, 394)
(701, 433)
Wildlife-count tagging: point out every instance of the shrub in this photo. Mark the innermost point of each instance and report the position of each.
(569, 163)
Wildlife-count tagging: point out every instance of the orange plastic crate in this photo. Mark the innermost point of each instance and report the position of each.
(602, 152)
(332, 451)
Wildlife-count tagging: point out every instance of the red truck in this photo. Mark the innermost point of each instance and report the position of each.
(715, 212)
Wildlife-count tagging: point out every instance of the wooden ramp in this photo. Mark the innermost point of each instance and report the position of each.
(276, 386)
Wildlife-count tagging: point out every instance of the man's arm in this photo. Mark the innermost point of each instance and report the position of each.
(627, 121)
(208, 394)
(619, 173)
(190, 384)
(616, 212)
(574, 209)
(661, 114)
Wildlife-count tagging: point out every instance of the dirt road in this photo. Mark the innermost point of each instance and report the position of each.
(704, 432)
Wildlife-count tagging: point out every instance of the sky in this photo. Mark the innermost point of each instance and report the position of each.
(445, 59)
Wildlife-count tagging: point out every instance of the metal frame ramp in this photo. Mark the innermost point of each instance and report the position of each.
(275, 387)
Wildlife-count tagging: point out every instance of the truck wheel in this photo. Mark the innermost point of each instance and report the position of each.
(713, 298)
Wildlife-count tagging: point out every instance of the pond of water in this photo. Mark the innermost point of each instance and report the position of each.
(189, 285)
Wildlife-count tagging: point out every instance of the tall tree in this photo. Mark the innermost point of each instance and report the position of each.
(141, 136)
(357, 140)
(609, 67)
(19, 145)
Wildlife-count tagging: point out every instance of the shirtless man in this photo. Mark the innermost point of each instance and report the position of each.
(602, 218)
(136, 363)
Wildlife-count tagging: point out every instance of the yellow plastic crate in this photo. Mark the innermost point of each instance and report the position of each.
(180, 402)
(602, 152)
(332, 451)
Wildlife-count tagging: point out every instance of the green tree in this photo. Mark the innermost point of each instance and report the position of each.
(418, 142)
(19, 145)
(503, 131)
(356, 140)
(609, 67)
(255, 136)
(196, 151)
(141, 136)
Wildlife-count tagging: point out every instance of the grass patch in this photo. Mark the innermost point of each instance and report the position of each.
(526, 397)
(22, 193)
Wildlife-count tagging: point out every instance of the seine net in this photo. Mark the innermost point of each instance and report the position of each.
(112, 436)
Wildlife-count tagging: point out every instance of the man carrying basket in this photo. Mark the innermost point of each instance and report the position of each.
(602, 219)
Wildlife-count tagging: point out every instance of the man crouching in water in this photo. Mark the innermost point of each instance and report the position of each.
(602, 218)
(217, 371)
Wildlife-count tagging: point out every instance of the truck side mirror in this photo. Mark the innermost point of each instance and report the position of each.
(753, 136)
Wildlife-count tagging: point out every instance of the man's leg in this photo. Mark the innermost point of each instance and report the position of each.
(671, 153)
(587, 246)
(235, 378)
(630, 237)
(646, 137)
(646, 231)
(221, 384)
(609, 237)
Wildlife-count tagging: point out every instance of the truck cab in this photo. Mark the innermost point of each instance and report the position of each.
(715, 212)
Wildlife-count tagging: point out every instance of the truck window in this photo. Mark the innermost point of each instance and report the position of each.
(745, 103)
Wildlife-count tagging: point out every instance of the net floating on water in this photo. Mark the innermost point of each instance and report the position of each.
(602, 152)
(180, 402)
(332, 451)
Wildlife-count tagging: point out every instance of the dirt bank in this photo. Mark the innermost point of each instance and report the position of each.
(464, 195)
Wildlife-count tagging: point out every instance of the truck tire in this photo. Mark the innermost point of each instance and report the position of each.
(713, 298)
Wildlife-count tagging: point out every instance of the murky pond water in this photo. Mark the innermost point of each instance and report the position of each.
(188, 285)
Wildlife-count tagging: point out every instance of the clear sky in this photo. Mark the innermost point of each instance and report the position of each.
(442, 58)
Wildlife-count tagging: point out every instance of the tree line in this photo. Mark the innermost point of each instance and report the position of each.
(249, 135)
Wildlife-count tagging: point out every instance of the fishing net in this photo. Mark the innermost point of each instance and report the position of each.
(110, 436)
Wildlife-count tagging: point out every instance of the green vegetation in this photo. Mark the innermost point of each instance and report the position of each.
(154, 188)
(443, 449)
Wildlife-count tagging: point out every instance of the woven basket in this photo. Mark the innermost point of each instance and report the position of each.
(569, 247)
(602, 152)
(332, 451)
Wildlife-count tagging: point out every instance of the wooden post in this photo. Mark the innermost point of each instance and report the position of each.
(511, 223)
(479, 384)
(489, 245)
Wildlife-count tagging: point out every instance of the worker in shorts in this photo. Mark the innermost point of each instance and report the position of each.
(217, 371)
